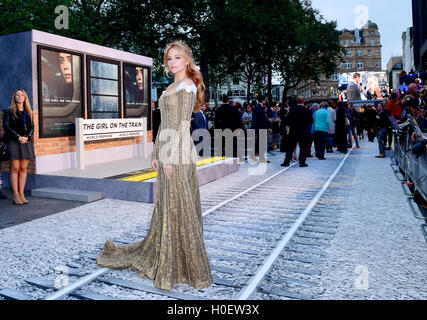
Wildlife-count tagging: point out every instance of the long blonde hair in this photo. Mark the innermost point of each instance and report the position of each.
(191, 70)
(27, 105)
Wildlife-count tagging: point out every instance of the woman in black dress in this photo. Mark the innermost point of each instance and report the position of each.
(19, 127)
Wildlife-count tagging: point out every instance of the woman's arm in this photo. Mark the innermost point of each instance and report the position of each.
(31, 130)
(7, 125)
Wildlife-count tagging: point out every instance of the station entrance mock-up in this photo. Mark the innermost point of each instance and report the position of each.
(67, 79)
(103, 94)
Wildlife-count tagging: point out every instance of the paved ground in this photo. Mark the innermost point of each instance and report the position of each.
(11, 214)
(378, 253)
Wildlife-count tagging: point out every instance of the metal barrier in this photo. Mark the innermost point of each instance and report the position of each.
(413, 166)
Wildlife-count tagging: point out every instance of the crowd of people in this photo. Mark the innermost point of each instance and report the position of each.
(328, 125)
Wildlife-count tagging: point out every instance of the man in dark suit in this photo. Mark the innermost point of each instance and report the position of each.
(353, 89)
(199, 121)
(300, 119)
(260, 122)
(227, 117)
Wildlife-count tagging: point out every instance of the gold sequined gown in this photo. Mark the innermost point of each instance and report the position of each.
(173, 250)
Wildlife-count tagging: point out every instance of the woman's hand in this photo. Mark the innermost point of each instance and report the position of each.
(155, 164)
(167, 169)
(23, 140)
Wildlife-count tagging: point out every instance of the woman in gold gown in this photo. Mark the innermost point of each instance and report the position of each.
(173, 250)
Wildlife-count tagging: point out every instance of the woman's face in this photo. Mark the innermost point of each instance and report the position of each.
(139, 77)
(19, 97)
(176, 61)
(65, 66)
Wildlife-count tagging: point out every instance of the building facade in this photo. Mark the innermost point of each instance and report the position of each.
(394, 68)
(419, 19)
(362, 53)
(408, 50)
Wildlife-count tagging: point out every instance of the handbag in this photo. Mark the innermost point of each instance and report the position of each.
(4, 155)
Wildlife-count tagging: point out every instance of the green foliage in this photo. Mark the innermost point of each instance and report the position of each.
(247, 39)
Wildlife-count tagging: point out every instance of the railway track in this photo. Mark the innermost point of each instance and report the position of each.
(252, 235)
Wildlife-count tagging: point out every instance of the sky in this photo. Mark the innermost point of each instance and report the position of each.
(392, 17)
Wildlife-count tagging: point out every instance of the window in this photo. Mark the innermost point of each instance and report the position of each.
(360, 65)
(349, 53)
(103, 89)
(236, 81)
(347, 65)
(372, 42)
(346, 42)
(378, 65)
(335, 77)
(359, 53)
(369, 53)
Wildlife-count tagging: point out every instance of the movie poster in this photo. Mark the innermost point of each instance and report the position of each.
(60, 90)
(373, 85)
(137, 92)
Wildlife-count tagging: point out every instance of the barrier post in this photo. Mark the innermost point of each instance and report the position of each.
(80, 146)
(144, 138)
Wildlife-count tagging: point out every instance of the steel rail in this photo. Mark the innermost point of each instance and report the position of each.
(89, 278)
(263, 270)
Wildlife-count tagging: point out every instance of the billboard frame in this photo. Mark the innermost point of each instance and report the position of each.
(40, 93)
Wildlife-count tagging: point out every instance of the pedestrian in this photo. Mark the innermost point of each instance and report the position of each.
(370, 116)
(393, 106)
(247, 116)
(340, 128)
(352, 116)
(199, 121)
(283, 113)
(361, 123)
(173, 250)
(313, 109)
(227, 117)
(331, 129)
(19, 128)
(382, 122)
(321, 128)
(260, 122)
(300, 120)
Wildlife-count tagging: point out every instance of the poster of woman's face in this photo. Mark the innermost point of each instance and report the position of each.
(60, 91)
(137, 92)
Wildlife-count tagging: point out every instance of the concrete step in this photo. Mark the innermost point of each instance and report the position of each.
(67, 194)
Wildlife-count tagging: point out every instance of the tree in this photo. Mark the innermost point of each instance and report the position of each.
(311, 51)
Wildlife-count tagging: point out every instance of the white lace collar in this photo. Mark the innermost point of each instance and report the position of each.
(187, 88)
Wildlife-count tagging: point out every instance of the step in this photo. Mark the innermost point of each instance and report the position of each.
(67, 194)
